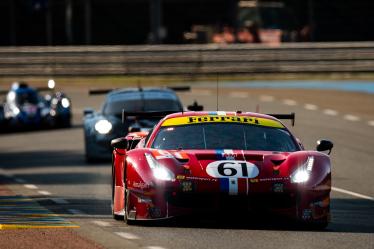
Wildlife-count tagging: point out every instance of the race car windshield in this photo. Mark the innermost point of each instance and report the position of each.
(27, 98)
(136, 105)
(214, 136)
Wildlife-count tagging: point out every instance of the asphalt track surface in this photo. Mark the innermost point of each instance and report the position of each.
(49, 168)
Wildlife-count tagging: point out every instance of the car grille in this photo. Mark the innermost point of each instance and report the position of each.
(193, 200)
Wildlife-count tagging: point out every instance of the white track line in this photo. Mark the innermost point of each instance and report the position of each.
(290, 102)
(200, 93)
(350, 117)
(19, 180)
(127, 235)
(371, 123)
(352, 193)
(266, 98)
(311, 107)
(43, 192)
(75, 211)
(101, 223)
(30, 186)
(239, 95)
(330, 112)
(59, 201)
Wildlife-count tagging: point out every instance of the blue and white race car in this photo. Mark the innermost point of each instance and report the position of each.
(24, 108)
(101, 127)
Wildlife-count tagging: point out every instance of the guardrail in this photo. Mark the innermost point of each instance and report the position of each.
(187, 59)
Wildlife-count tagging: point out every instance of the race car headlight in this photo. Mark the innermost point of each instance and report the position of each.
(103, 126)
(160, 172)
(16, 111)
(65, 102)
(302, 174)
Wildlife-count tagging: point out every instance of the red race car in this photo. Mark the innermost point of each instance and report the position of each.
(210, 161)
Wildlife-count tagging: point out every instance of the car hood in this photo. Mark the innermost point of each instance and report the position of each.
(221, 167)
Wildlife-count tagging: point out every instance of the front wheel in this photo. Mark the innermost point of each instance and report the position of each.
(126, 208)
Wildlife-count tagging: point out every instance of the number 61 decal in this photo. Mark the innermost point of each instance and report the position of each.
(232, 169)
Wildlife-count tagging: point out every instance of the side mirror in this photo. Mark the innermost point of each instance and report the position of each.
(119, 143)
(195, 107)
(323, 145)
(88, 111)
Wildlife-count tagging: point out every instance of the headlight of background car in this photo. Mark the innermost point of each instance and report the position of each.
(302, 174)
(103, 126)
(65, 102)
(45, 111)
(160, 172)
(16, 111)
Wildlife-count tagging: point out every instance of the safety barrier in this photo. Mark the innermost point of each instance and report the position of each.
(187, 59)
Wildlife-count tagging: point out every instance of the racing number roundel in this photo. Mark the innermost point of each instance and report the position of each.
(232, 169)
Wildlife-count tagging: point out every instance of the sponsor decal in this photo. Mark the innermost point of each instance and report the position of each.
(229, 154)
(307, 214)
(201, 178)
(232, 169)
(253, 180)
(141, 185)
(145, 200)
(186, 186)
(221, 119)
(154, 212)
(274, 179)
(181, 177)
(278, 187)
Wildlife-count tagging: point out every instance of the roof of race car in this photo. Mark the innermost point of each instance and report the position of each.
(20, 88)
(186, 118)
(147, 92)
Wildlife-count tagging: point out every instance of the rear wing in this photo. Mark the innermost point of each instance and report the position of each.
(107, 90)
(290, 116)
(151, 114)
(99, 91)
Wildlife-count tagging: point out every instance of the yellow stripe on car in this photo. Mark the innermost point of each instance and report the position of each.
(186, 120)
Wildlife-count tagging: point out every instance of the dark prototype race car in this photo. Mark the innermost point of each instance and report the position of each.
(24, 108)
(101, 127)
(216, 161)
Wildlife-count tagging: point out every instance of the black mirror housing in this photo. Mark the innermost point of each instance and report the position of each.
(324, 145)
(88, 111)
(195, 107)
(119, 143)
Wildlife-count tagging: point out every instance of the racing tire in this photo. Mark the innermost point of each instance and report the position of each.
(89, 159)
(126, 209)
